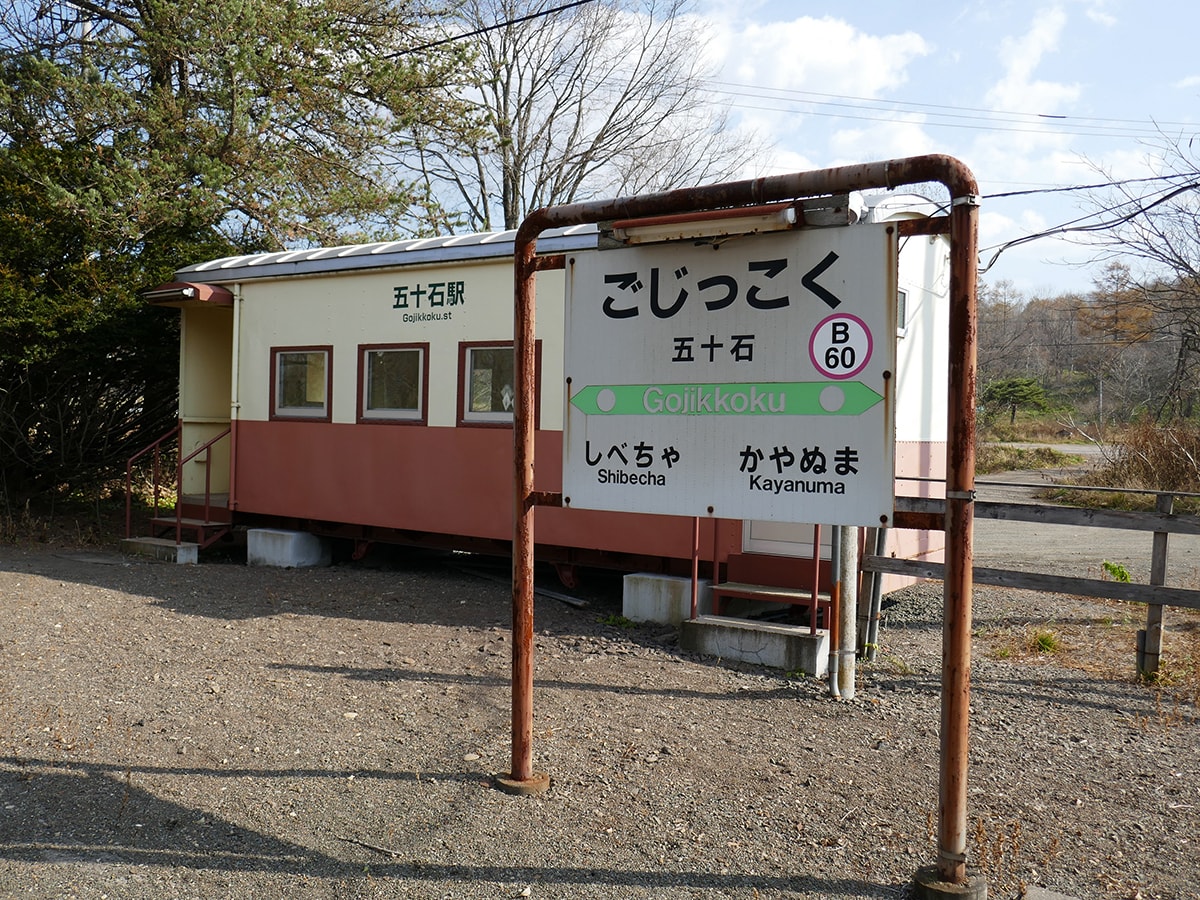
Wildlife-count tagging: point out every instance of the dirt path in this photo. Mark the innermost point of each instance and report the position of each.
(223, 731)
(1068, 550)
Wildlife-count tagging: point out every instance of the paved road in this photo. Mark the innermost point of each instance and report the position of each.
(1079, 552)
(1069, 550)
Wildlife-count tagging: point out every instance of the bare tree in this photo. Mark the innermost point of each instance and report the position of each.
(1004, 340)
(1152, 229)
(601, 99)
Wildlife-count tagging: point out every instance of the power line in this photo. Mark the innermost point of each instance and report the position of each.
(995, 120)
(1083, 187)
(828, 99)
(470, 34)
(875, 110)
(986, 124)
(1141, 208)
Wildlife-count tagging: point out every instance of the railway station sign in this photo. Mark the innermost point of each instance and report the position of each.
(748, 378)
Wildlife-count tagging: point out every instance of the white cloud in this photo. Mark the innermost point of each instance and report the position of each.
(1031, 151)
(1019, 90)
(810, 55)
(780, 161)
(1042, 58)
(1098, 14)
(995, 227)
(884, 140)
(825, 55)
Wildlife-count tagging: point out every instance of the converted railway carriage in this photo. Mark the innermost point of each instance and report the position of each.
(365, 393)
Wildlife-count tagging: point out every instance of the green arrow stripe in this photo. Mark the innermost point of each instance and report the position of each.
(779, 398)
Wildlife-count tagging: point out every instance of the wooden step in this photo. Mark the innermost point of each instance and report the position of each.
(206, 531)
(770, 593)
(767, 592)
(187, 522)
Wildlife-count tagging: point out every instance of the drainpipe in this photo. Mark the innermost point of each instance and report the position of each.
(235, 403)
(872, 644)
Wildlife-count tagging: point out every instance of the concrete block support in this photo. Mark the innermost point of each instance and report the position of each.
(646, 597)
(186, 553)
(927, 885)
(778, 646)
(286, 549)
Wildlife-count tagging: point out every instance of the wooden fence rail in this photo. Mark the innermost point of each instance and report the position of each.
(928, 513)
(1030, 581)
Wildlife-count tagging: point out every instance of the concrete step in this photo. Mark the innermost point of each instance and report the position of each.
(787, 647)
(185, 553)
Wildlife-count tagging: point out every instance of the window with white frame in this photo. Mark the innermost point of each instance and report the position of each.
(392, 380)
(300, 385)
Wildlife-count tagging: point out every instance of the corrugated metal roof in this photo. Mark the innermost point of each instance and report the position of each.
(487, 245)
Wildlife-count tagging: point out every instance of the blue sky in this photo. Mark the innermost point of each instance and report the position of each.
(864, 81)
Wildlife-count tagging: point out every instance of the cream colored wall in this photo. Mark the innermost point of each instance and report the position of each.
(205, 363)
(349, 309)
(205, 377)
(921, 353)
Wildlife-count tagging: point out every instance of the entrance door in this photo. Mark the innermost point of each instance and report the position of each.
(783, 539)
(205, 378)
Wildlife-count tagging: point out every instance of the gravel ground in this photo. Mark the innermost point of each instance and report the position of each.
(224, 731)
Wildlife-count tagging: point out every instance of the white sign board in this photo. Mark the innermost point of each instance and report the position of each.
(744, 379)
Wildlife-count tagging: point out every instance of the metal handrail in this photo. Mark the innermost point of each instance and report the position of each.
(205, 448)
(156, 447)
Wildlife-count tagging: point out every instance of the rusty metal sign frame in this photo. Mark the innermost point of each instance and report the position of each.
(960, 449)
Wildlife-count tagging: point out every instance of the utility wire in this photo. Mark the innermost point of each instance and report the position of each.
(986, 125)
(996, 120)
(1084, 187)
(884, 105)
(878, 110)
(1072, 228)
(470, 34)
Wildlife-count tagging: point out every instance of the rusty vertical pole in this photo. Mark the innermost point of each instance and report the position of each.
(816, 582)
(960, 497)
(695, 567)
(835, 608)
(521, 778)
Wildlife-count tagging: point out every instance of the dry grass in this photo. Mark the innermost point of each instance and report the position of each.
(991, 458)
(26, 525)
(1106, 647)
(1146, 457)
(1154, 457)
(92, 524)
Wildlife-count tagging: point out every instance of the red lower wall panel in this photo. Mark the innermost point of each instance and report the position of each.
(451, 481)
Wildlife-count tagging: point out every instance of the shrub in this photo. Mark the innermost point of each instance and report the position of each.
(1154, 457)
(1042, 640)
